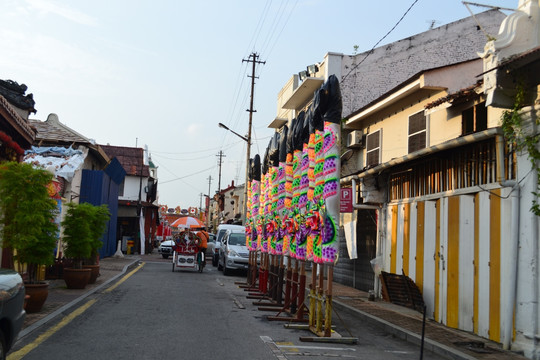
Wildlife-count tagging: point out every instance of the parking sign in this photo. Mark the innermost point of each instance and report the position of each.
(345, 201)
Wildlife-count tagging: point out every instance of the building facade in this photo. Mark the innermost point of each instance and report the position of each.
(138, 214)
(365, 78)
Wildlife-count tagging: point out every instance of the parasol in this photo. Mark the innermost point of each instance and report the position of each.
(187, 222)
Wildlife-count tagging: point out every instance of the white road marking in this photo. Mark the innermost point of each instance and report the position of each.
(314, 347)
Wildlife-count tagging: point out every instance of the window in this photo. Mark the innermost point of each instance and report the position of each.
(373, 148)
(417, 131)
(474, 119)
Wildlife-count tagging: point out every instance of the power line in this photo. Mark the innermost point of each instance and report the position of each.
(282, 28)
(193, 158)
(185, 176)
(378, 42)
(214, 149)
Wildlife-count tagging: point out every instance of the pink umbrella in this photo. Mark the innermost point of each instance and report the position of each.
(187, 222)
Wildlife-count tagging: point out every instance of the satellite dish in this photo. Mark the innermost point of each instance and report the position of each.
(346, 156)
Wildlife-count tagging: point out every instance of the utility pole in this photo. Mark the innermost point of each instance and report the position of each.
(208, 211)
(200, 205)
(220, 155)
(251, 59)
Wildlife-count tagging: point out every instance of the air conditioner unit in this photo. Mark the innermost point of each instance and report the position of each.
(356, 139)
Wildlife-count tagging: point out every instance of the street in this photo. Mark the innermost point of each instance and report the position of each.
(154, 313)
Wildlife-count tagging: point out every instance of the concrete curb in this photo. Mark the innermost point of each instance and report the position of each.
(24, 332)
(409, 336)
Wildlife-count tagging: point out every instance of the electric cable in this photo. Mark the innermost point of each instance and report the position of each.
(378, 42)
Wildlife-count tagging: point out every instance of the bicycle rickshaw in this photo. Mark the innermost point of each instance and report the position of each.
(186, 254)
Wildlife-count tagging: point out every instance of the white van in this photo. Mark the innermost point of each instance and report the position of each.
(219, 237)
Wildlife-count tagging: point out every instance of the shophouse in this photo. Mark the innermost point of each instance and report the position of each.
(511, 81)
(365, 79)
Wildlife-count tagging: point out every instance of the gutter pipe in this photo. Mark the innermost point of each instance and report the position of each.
(508, 316)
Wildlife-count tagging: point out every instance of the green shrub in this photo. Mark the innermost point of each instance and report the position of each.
(27, 214)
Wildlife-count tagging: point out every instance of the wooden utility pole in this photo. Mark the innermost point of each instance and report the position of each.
(221, 155)
(251, 59)
(208, 208)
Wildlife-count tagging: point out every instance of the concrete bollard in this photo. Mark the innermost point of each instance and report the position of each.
(118, 253)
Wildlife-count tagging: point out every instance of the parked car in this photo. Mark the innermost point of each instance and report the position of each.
(166, 248)
(12, 312)
(233, 254)
(219, 237)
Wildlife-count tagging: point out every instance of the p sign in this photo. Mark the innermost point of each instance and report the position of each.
(345, 201)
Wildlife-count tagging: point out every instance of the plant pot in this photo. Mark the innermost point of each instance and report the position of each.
(76, 278)
(94, 274)
(37, 295)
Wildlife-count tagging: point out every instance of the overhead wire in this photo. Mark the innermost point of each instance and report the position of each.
(185, 176)
(234, 114)
(214, 149)
(378, 42)
(270, 34)
(267, 56)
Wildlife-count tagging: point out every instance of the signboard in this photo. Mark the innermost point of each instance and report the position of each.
(345, 200)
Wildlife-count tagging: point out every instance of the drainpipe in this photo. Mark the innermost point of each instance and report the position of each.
(513, 257)
(534, 237)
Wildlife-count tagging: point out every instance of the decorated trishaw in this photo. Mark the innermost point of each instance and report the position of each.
(186, 254)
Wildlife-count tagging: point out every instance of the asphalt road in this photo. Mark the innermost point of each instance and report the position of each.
(160, 314)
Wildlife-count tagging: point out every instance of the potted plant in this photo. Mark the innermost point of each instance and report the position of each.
(27, 214)
(98, 218)
(77, 239)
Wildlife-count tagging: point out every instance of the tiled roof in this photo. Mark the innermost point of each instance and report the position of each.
(130, 158)
(22, 125)
(52, 131)
(463, 95)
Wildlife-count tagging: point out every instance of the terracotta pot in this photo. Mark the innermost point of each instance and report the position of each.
(76, 278)
(94, 274)
(37, 295)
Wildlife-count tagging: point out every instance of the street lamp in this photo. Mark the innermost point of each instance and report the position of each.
(248, 140)
(235, 133)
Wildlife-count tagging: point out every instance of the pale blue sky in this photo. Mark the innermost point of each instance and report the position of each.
(165, 72)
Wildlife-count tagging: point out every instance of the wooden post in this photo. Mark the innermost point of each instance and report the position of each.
(301, 291)
(313, 295)
(328, 307)
(320, 293)
(294, 284)
(281, 272)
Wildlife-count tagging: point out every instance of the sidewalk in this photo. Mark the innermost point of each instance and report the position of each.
(61, 299)
(397, 320)
(406, 323)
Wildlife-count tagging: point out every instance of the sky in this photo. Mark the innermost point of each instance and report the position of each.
(164, 73)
